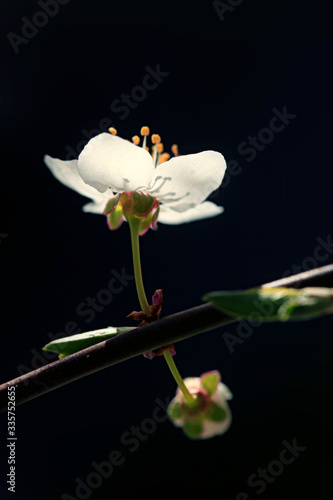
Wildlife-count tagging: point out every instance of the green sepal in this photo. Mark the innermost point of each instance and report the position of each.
(193, 427)
(142, 204)
(69, 345)
(145, 224)
(111, 204)
(174, 411)
(209, 381)
(215, 413)
(271, 304)
(115, 218)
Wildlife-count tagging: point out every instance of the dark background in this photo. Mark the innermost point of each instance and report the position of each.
(225, 79)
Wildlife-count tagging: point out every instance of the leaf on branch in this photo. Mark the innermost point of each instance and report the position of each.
(68, 345)
(274, 304)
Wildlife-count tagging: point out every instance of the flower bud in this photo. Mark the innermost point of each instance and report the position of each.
(209, 414)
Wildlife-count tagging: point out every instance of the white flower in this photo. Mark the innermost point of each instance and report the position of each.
(210, 414)
(109, 165)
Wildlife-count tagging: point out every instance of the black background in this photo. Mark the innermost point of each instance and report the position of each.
(225, 78)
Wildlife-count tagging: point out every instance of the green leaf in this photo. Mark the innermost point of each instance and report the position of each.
(193, 428)
(302, 308)
(68, 345)
(215, 413)
(210, 381)
(273, 304)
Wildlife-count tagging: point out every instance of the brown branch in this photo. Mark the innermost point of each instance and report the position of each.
(166, 331)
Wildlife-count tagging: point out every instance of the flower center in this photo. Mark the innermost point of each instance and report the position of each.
(199, 404)
(156, 149)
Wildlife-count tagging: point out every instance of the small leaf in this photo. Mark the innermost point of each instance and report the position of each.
(302, 308)
(68, 345)
(273, 304)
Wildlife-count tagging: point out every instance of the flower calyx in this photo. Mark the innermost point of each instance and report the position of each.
(137, 207)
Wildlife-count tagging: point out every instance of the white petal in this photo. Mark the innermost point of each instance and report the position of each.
(109, 161)
(202, 211)
(97, 206)
(186, 181)
(223, 392)
(192, 383)
(67, 173)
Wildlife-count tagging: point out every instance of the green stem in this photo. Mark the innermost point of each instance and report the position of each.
(176, 375)
(134, 228)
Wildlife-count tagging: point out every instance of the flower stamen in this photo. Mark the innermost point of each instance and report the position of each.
(113, 131)
(163, 157)
(159, 148)
(156, 140)
(174, 149)
(156, 189)
(144, 131)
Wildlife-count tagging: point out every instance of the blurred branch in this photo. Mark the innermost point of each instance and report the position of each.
(165, 331)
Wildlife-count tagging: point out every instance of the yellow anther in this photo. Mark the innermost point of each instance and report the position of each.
(174, 149)
(136, 139)
(146, 148)
(113, 131)
(145, 131)
(164, 157)
(155, 138)
(160, 148)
